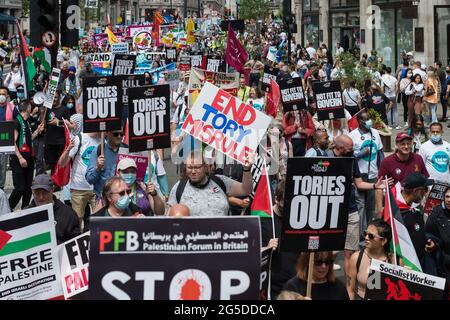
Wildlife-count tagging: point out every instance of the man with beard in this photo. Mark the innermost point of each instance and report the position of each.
(321, 143)
(71, 84)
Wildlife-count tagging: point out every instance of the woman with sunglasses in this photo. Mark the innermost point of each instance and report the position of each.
(377, 243)
(325, 286)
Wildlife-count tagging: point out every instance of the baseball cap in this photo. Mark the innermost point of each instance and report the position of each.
(126, 163)
(42, 181)
(402, 136)
(417, 180)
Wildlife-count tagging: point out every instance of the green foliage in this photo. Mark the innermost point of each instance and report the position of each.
(353, 71)
(253, 9)
(25, 8)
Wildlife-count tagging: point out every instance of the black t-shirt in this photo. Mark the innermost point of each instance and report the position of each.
(352, 206)
(414, 223)
(319, 291)
(26, 145)
(55, 134)
(378, 101)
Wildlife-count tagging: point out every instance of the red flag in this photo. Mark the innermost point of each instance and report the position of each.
(353, 122)
(236, 56)
(273, 99)
(61, 175)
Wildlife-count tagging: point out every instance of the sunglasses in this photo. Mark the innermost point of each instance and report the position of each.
(117, 134)
(319, 263)
(371, 236)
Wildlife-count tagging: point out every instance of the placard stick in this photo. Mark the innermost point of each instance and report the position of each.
(310, 274)
(102, 145)
(149, 165)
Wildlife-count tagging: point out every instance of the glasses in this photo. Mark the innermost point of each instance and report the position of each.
(196, 168)
(117, 134)
(371, 236)
(121, 193)
(319, 263)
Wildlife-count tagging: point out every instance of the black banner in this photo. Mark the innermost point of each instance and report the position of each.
(236, 25)
(102, 110)
(266, 258)
(292, 95)
(171, 55)
(149, 118)
(196, 60)
(214, 64)
(435, 196)
(124, 64)
(328, 95)
(177, 259)
(316, 204)
(269, 73)
(391, 282)
(7, 144)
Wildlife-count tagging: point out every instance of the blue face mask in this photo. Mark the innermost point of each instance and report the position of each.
(435, 138)
(129, 178)
(369, 124)
(20, 96)
(123, 203)
(69, 105)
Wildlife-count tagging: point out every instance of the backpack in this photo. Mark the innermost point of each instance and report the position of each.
(182, 185)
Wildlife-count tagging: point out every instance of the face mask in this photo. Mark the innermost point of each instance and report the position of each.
(369, 124)
(409, 75)
(20, 96)
(435, 138)
(16, 70)
(129, 178)
(123, 202)
(2, 99)
(69, 105)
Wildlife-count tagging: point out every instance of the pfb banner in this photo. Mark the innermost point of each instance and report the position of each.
(74, 262)
(269, 73)
(225, 81)
(124, 64)
(102, 97)
(292, 95)
(177, 259)
(145, 59)
(390, 282)
(226, 123)
(149, 118)
(29, 266)
(264, 291)
(435, 196)
(329, 100)
(316, 204)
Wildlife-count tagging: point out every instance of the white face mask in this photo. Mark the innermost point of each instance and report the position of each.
(2, 99)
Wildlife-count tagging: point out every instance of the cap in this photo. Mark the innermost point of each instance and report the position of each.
(126, 163)
(402, 136)
(417, 180)
(42, 181)
(38, 98)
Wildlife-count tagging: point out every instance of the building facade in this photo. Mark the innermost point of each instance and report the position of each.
(12, 8)
(388, 26)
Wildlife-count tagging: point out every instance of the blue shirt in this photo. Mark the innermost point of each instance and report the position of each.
(98, 178)
(3, 113)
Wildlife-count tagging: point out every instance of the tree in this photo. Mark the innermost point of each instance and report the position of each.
(25, 8)
(253, 9)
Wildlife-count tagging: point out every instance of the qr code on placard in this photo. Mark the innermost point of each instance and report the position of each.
(313, 243)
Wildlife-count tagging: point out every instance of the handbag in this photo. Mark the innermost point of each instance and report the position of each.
(430, 91)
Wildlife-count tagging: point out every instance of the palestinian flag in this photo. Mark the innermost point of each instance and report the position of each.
(262, 202)
(401, 241)
(44, 58)
(28, 68)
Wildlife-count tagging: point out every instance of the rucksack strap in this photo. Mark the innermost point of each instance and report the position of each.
(219, 182)
(358, 262)
(182, 185)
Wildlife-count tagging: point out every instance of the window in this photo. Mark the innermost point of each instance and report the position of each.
(310, 5)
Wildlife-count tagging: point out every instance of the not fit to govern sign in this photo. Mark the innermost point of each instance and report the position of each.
(329, 100)
(226, 123)
(102, 97)
(149, 118)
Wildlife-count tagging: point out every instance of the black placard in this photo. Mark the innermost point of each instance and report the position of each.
(328, 96)
(171, 55)
(102, 98)
(7, 137)
(124, 64)
(316, 204)
(189, 259)
(236, 25)
(149, 118)
(214, 64)
(292, 95)
(196, 60)
(269, 73)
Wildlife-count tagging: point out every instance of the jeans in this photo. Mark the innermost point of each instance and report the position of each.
(393, 114)
(444, 103)
(3, 166)
(39, 147)
(22, 178)
(433, 108)
(365, 201)
(405, 107)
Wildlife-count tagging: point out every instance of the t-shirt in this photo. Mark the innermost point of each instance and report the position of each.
(319, 291)
(209, 201)
(311, 51)
(390, 84)
(378, 101)
(437, 160)
(55, 134)
(81, 161)
(361, 141)
(398, 170)
(258, 104)
(351, 97)
(23, 142)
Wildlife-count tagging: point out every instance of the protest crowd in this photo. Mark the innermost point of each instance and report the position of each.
(300, 142)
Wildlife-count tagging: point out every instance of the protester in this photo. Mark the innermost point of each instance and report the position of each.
(71, 85)
(415, 93)
(256, 99)
(67, 225)
(352, 98)
(321, 143)
(418, 132)
(13, 79)
(431, 97)
(6, 114)
(178, 211)
(389, 84)
(403, 85)
(4, 203)
(299, 129)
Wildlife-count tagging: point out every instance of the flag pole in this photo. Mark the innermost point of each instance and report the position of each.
(392, 220)
(270, 197)
(310, 274)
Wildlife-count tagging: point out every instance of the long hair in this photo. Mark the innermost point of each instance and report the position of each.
(303, 265)
(385, 231)
(107, 189)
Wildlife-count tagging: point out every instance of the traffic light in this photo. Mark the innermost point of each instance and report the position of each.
(44, 19)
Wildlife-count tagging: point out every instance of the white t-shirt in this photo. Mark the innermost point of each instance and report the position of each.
(362, 141)
(351, 97)
(422, 73)
(339, 51)
(81, 161)
(437, 160)
(312, 52)
(390, 85)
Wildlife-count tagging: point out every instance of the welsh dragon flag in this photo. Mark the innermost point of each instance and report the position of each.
(262, 202)
(401, 241)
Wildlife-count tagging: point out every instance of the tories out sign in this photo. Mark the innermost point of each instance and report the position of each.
(101, 104)
(149, 118)
(316, 203)
(123, 64)
(177, 259)
(226, 123)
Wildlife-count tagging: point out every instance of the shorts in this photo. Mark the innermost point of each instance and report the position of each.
(352, 239)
